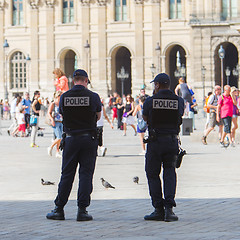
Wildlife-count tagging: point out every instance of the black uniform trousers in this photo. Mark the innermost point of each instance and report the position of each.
(82, 151)
(162, 152)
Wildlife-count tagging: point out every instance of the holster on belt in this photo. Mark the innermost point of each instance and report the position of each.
(100, 136)
(62, 143)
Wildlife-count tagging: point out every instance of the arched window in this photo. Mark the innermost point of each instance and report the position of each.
(229, 9)
(68, 11)
(18, 71)
(17, 12)
(175, 9)
(120, 10)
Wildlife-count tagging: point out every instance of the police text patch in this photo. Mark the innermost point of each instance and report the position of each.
(165, 104)
(76, 101)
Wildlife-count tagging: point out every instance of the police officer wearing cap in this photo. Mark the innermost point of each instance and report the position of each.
(163, 112)
(80, 108)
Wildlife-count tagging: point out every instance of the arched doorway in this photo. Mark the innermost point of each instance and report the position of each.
(175, 64)
(121, 71)
(68, 64)
(230, 61)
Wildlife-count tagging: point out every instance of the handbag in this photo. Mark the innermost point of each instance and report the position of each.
(33, 120)
(142, 125)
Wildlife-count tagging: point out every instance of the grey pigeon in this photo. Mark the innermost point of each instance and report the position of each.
(47, 182)
(136, 179)
(106, 184)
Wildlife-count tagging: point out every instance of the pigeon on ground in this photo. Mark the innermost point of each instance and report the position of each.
(47, 182)
(106, 184)
(136, 179)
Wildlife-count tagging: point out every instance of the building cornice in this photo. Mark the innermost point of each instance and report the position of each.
(34, 4)
(2, 4)
(102, 2)
(50, 3)
(139, 1)
(85, 2)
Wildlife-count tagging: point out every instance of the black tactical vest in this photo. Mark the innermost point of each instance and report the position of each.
(77, 111)
(165, 114)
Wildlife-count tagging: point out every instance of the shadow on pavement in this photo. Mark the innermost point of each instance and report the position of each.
(122, 219)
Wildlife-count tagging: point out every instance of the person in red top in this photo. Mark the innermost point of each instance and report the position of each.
(61, 81)
(225, 108)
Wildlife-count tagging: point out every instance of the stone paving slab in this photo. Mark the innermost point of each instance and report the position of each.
(207, 197)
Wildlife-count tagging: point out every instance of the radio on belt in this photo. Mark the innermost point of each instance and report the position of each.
(76, 101)
(165, 104)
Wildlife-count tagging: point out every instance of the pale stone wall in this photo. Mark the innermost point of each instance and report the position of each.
(43, 36)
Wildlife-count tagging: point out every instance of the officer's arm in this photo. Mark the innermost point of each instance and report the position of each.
(145, 118)
(98, 115)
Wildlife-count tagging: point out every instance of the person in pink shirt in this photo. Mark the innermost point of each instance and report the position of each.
(225, 108)
(61, 81)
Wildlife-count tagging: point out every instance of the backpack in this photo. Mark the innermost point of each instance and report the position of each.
(206, 108)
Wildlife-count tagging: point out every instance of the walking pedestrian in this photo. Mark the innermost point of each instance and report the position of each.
(80, 108)
(101, 148)
(56, 121)
(212, 105)
(61, 82)
(193, 111)
(13, 115)
(120, 109)
(141, 128)
(36, 107)
(225, 110)
(114, 107)
(26, 103)
(163, 112)
(128, 118)
(235, 94)
(183, 90)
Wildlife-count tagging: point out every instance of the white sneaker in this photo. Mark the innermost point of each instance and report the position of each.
(102, 151)
(143, 152)
(49, 150)
(58, 155)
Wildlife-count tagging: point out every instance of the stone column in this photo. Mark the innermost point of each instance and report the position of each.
(102, 44)
(156, 34)
(85, 14)
(34, 49)
(139, 46)
(2, 79)
(50, 46)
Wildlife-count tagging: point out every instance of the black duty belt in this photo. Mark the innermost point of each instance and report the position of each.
(167, 135)
(79, 134)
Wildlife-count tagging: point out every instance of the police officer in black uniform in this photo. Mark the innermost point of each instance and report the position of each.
(163, 112)
(80, 108)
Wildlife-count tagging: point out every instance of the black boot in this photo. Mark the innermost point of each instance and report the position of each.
(157, 215)
(56, 214)
(169, 215)
(83, 215)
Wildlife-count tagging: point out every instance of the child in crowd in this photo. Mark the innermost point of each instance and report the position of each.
(21, 123)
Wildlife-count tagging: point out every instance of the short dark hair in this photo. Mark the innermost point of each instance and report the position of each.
(79, 78)
(164, 85)
(142, 99)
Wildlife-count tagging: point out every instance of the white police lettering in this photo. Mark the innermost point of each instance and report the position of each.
(76, 101)
(165, 104)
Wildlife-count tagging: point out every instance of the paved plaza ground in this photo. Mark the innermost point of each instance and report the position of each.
(208, 192)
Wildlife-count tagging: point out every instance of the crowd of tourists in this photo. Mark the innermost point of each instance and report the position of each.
(222, 109)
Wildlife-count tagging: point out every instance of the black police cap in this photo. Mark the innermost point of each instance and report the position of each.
(161, 78)
(81, 72)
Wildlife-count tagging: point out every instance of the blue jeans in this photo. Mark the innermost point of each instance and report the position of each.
(58, 130)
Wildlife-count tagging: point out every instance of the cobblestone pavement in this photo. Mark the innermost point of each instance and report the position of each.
(207, 195)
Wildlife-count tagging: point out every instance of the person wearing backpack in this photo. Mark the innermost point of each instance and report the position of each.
(212, 104)
(141, 124)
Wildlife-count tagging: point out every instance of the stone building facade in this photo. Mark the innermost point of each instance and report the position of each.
(117, 41)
